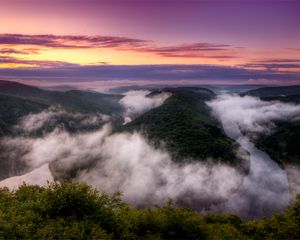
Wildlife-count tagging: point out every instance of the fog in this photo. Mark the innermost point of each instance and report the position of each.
(137, 102)
(39, 176)
(250, 115)
(146, 175)
(127, 163)
(266, 188)
(293, 173)
(56, 117)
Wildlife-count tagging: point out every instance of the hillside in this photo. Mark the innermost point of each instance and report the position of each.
(13, 108)
(274, 91)
(73, 111)
(289, 98)
(184, 124)
(18, 100)
(283, 144)
(74, 100)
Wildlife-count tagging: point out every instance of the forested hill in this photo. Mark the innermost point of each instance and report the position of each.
(13, 108)
(74, 100)
(186, 127)
(274, 91)
(282, 144)
(295, 98)
(18, 100)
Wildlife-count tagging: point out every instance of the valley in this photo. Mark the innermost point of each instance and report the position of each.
(173, 135)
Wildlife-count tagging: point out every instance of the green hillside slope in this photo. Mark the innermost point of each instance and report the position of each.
(289, 98)
(274, 91)
(13, 108)
(185, 125)
(283, 145)
(75, 100)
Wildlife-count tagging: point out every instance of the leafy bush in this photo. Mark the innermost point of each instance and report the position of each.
(77, 211)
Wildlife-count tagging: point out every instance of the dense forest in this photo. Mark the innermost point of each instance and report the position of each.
(77, 211)
(282, 144)
(185, 125)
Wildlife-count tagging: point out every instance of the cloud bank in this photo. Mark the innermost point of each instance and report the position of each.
(40, 176)
(266, 188)
(250, 114)
(196, 73)
(127, 163)
(55, 117)
(186, 50)
(138, 102)
(146, 175)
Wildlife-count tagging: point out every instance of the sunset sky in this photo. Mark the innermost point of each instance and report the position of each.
(150, 41)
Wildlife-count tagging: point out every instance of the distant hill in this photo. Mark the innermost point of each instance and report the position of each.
(18, 100)
(274, 91)
(75, 100)
(289, 98)
(185, 125)
(13, 108)
(283, 143)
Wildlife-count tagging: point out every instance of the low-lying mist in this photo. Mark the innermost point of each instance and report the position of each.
(249, 115)
(146, 175)
(127, 163)
(266, 188)
(56, 117)
(136, 102)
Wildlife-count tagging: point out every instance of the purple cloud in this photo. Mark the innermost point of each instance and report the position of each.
(191, 50)
(69, 41)
(154, 73)
(15, 51)
(274, 64)
(34, 63)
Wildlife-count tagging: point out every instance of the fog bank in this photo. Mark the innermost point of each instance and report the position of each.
(266, 188)
(146, 175)
(40, 176)
(127, 163)
(137, 102)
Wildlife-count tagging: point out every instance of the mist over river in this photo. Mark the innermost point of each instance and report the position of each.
(147, 175)
(266, 188)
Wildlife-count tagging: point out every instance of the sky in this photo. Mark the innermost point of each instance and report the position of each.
(150, 41)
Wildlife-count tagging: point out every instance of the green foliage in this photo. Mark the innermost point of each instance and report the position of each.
(184, 123)
(77, 211)
(282, 144)
(274, 91)
(289, 98)
(81, 101)
(12, 108)
(280, 226)
(18, 100)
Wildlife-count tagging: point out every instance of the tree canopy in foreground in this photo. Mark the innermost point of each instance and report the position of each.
(77, 211)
